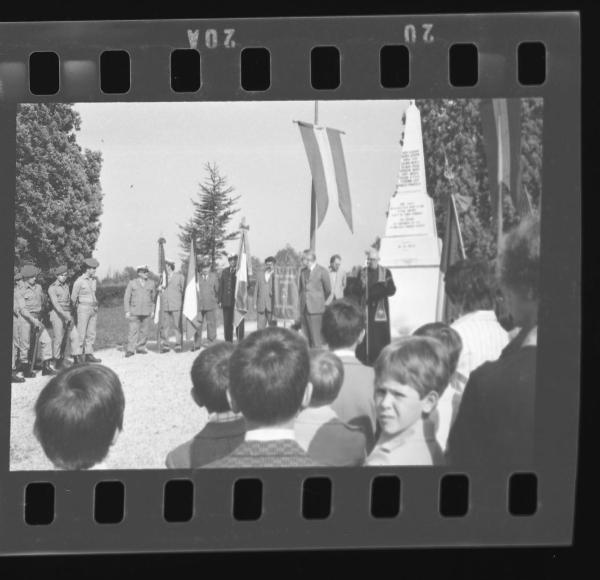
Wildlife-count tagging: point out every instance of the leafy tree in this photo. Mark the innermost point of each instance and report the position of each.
(212, 213)
(289, 257)
(58, 201)
(453, 127)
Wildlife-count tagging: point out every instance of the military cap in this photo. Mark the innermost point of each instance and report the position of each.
(60, 270)
(142, 267)
(170, 261)
(91, 262)
(29, 270)
(232, 257)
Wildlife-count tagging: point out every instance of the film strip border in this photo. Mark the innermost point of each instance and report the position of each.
(207, 517)
(267, 59)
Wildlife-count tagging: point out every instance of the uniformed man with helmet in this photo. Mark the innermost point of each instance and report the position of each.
(83, 297)
(61, 318)
(30, 311)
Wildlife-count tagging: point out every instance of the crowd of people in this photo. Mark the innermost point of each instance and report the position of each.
(458, 394)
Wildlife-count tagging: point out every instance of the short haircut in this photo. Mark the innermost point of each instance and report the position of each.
(210, 377)
(520, 258)
(310, 254)
(447, 336)
(326, 376)
(77, 415)
(471, 284)
(342, 323)
(334, 258)
(270, 259)
(418, 361)
(268, 375)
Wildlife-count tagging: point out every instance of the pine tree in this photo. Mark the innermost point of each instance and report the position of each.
(58, 201)
(212, 213)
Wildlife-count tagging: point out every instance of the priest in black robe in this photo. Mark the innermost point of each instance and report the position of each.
(376, 285)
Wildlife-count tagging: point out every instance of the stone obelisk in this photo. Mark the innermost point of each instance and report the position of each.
(410, 247)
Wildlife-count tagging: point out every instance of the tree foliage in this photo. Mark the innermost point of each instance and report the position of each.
(454, 127)
(289, 257)
(58, 201)
(212, 213)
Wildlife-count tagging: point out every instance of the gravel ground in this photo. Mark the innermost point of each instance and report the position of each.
(159, 411)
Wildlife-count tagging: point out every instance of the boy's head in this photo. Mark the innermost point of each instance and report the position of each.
(343, 324)
(471, 285)
(210, 377)
(326, 377)
(410, 375)
(447, 336)
(268, 374)
(78, 416)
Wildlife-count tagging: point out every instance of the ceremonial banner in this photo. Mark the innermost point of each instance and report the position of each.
(501, 127)
(328, 169)
(190, 297)
(286, 293)
(244, 267)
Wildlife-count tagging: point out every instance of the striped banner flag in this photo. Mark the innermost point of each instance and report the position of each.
(190, 296)
(501, 125)
(244, 269)
(453, 250)
(328, 169)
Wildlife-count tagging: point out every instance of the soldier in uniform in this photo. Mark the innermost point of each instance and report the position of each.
(171, 303)
(83, 298)
(61, 318)
(139, 308)
(18, 304)
(33, 298)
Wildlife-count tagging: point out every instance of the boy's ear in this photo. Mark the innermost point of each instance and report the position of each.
(115, 436)
(307, 395)
(361, 336)
(231, 402)
(429, 402)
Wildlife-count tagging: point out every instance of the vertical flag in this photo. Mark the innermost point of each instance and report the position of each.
(453, 249)
(244, 268)
(325, 154)
(190, 297)
(501, 125)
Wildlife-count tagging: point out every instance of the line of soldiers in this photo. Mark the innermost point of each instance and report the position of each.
(72, 316)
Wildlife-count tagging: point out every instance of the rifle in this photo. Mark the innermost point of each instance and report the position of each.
(36, 341)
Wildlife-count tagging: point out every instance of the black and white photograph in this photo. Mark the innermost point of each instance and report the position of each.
(259, 284)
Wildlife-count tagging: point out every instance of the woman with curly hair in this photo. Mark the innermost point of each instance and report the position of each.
(495, 422)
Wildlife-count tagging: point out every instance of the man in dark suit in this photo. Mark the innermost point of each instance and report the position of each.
(314, 287)
(227, 300)
(208, 302)
(264, 294)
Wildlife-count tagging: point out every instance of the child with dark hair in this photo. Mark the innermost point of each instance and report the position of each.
(410, 375)
(343, 329)
(79, 415)
(318, 428)
(442, 417)
(224, 430)
(269, 385)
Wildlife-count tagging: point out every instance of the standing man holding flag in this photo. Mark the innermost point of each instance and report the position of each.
(139, 308)
(171, 301)
(227, 284)
(190, 296)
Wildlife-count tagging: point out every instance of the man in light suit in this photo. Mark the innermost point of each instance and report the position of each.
(139, 309)
(338, 279)
(264, 294)
(314, 288)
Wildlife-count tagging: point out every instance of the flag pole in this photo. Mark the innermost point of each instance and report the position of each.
(313, 198)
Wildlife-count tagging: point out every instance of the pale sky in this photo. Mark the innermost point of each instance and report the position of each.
(154, 155)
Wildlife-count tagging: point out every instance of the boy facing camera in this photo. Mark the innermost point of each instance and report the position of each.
(224, 430)
(268, 384)
(318, 428)
(79, 415)
(410, 375)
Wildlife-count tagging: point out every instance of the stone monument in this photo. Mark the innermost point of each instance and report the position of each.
(410, 247)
